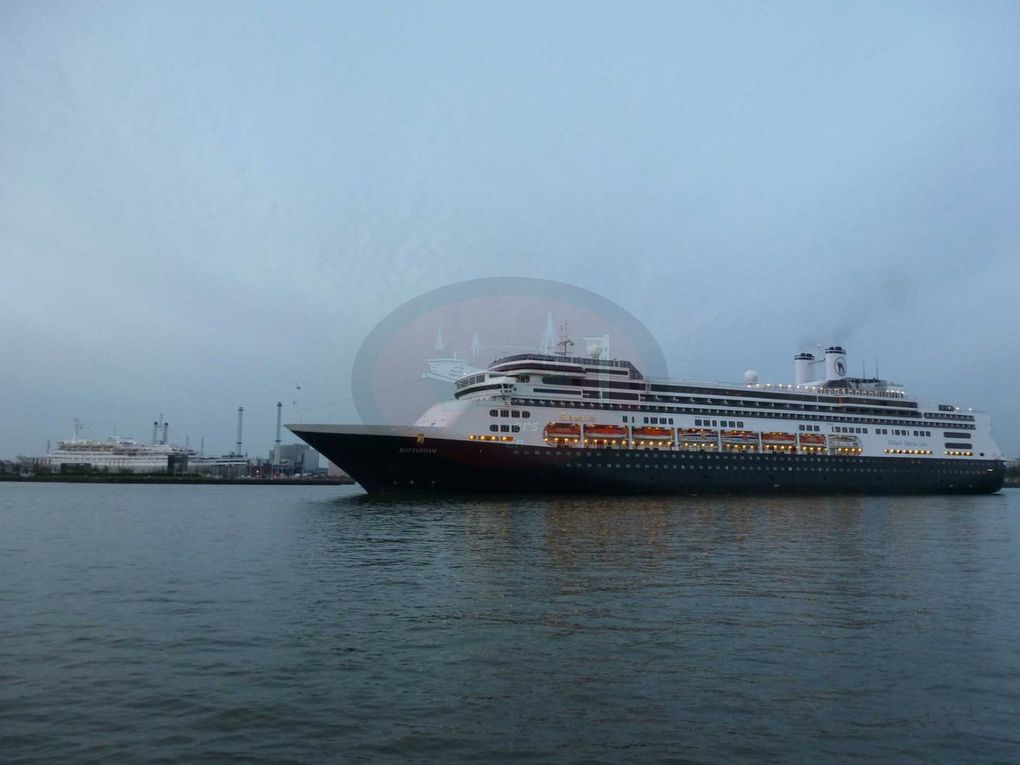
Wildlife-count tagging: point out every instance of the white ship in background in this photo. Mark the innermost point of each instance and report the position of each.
(450, 369)
(117, 453)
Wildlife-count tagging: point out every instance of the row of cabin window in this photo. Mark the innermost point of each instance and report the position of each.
(722, 423)
(834, 467)
(646, 407)
(813, 428)
(650, 420)
(860, 407)
(901, 432)
(505, 428)
(750, 406)
(509, 413)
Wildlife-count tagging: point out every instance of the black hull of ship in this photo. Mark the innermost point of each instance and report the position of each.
(385, 462)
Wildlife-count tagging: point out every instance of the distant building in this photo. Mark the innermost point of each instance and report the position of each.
(228, 466)
(297, 458)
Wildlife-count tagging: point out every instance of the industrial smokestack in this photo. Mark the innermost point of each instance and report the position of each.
(276, 452)
(240, 422)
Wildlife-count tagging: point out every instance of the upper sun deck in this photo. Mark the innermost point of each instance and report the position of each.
(580, 365)
(553, 362)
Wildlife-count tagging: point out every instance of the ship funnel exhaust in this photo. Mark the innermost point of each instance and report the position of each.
(155, 429)
(802, 368)
(835, 364)
(240, 424)
(166, 431)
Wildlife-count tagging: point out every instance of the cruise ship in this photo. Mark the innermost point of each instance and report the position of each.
(557, 423)
(116, 455)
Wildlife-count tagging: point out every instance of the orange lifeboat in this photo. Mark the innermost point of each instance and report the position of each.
(562, 433)
(606, 431)
(605, 435)
(568, 429)
(812, 439)
(777, 437)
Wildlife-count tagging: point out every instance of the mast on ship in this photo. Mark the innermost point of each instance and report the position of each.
(564, 343)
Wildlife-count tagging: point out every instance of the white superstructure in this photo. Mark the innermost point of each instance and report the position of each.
(113, 454)
(547, 399)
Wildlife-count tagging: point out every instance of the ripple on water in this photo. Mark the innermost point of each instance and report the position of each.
(315, 624)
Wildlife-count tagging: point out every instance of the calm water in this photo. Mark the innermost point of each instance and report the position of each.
(316, 624)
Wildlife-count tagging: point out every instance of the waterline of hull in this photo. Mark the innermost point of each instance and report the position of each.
(408, 459)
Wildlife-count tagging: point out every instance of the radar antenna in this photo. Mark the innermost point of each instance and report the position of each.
(564, 343)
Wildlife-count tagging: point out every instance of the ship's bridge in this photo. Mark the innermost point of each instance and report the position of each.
(484, 385)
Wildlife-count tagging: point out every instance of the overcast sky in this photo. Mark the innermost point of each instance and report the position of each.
(205, 203)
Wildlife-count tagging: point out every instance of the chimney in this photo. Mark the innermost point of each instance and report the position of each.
(240, 422)
(802, 368)
(276, 452)
(835, 364)
(166, 428)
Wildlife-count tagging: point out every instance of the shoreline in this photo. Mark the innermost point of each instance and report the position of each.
(167, 479)
(204, 480)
